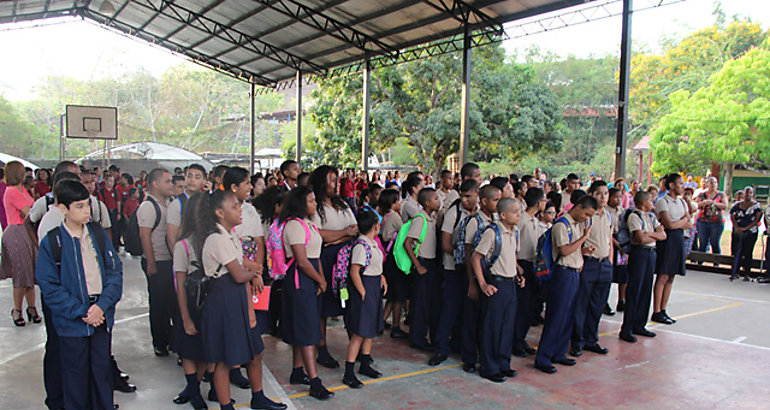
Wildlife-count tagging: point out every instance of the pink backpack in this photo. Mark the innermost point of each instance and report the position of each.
(277, 265)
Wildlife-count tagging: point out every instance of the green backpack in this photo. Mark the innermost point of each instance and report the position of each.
(399, 252)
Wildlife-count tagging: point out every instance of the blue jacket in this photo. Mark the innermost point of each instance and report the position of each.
(65, 292)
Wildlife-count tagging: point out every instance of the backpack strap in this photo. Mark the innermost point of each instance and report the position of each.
(186, 248)
(498, 243)
(55, 242)
(457, 210)
(307, 242)
(157, 212)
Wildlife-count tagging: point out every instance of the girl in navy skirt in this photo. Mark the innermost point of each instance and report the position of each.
(390, 206)
(228, 325)
(337, 225)
(302, 286)
(268, 204)
(187, 340)
(366, 285)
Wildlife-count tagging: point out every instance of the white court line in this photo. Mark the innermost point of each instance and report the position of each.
(728, 297)
(711, 339)
(739, 339)
(269, 380)
(41, 345)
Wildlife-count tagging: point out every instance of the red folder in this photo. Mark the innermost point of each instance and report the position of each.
(261, 300)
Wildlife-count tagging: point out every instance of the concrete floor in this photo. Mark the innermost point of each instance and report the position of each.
(715, 356)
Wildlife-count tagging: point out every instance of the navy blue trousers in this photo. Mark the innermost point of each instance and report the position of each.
(455, 289)
(471, 327)
(641, 265)
(86, 371)
(52, 363)
(163, 304)
(526, 299)
(562, 289)
(595, 282)
(427, 302)
(497, 325)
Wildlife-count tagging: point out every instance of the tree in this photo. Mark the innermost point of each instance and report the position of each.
(17, 136)
(726, 122)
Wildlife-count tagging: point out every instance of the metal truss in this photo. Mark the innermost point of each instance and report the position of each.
(464, 12)
(332, 27)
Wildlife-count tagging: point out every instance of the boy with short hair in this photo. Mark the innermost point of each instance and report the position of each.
(498, 285)
(81, 281)
(426, 272)
(568, 234)
(193, 180)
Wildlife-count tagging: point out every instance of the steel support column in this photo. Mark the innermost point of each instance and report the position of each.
(365, 117)
(466, 98)
(621, 141)
(252, 97)
(299, 118)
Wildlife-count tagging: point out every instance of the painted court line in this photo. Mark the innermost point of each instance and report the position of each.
(713, 339)
(729, 297)
(701, 312)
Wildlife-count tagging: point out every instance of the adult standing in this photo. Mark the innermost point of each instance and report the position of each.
(745, 216)
(674, 215)
(710, 223)
(19, 251)
(3, 221)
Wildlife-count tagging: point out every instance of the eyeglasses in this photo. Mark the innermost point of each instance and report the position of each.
(549, 212)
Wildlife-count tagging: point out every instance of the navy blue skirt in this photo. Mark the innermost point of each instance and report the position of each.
(671, 254)
(227, 336)
(300, 323)
(330, 303)
(364, 317)
(186, 346)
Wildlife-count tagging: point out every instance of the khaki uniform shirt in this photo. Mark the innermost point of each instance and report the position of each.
(560, 235)
(428, 246)
(358, 257)
(88, 253)
(530, 230)
(451, 225)
(391, 223)
(601, 232)
(649, 225)
(145, 217)
(294, 234)
(505, 265)
(220, 249)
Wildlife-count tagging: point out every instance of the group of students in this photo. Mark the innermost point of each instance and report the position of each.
(464, 262)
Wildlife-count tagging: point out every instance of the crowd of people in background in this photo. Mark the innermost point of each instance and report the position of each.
(463, 263)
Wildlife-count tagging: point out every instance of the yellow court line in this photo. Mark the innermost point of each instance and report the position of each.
(702, 312)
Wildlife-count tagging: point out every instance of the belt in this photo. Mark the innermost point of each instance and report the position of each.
(644, 248)
(599, 260)
(93, 298)
(498, 278)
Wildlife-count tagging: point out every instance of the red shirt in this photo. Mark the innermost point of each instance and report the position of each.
(41, 188)
(346, 188)
(122, 192)
(130, 207)
(109, 198)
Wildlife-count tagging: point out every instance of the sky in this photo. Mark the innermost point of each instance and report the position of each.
(81, 49)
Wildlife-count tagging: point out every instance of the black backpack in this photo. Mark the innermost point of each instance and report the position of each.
(197, 285)
(131, 238)
(54, 241)
(624, 234)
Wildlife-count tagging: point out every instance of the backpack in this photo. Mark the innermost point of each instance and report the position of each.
(277, 265)
(55, 242)
(341, 268)
(486, 263)
(624, 234)
(544, 255)
(399, 252)
(196, 285)
(459, 252)
(131, 239)
(182, 200)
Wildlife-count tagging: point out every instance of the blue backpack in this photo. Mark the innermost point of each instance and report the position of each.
(544, 256)
(486, 263)
(459, 251)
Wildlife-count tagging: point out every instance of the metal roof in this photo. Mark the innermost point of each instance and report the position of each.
(147, 150)
(267, 41)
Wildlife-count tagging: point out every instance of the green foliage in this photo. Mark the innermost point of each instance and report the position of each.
(17, 136)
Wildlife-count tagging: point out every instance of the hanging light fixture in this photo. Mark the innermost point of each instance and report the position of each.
(106, 7)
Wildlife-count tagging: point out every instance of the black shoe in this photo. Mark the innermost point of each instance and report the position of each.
(397, 333)
(424, 347)
(236, 378)
(644, 332)
(181, 399)
(299, 380)
(469, 368)
(658, 317)
(353, 383)
(497, 378)
(518, 352)
(123, 386)
(178, 361)
(32, 315)
(596, 348)
(628, 337)
(509, 373)
(321, 394)
(667, 316)
(529, 350)
(115, 406)
(369, 372)
(267, 406)
(546, 368)
(386, 325)
(608, 310)
(161, 351)
(763, 279)
(198, 403)
(437, 359)
(621, 306)
(565, 362)
(575, 351)
(328, 362)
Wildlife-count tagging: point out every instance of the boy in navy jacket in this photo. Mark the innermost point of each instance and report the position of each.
(81, 278)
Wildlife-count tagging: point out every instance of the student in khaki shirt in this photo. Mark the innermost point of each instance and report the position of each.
(454, 289)
(156, 258)
(619, 259)
(363, 316)
(194, 179)
(409, 190)
(530, 231)
(426, 271)
(499, 288)
(446, 193)
(389, 205)
(595, 278)
(569, 233)
(645, 232)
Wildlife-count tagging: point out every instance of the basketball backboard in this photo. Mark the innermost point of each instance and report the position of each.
(92, 122)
